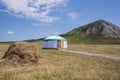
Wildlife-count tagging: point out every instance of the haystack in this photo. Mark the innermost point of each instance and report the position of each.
(20, 53)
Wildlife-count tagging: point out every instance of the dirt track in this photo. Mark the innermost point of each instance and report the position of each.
(92, 54)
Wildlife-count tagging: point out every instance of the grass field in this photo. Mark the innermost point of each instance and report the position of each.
(113, 50)
(57, 65)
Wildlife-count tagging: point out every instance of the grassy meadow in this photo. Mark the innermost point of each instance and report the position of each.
(83, 38)
(57, 65)
(113, 50)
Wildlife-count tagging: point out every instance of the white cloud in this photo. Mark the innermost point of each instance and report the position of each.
(57, 32)
(36, 24)
(35, 9)
(73, 15)
(41, 24)
(10, 32)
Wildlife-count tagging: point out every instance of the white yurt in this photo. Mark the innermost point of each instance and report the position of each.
(54, 41)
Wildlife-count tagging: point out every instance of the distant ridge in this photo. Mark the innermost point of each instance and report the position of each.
(99, 31)
(99, 27)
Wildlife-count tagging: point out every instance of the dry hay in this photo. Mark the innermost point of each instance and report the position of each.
(20, 53)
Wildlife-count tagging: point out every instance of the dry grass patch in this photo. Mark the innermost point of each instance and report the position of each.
(56, 65)
(100, 49)
(19, 54)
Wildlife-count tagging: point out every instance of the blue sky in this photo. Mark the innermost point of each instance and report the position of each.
(34, 19)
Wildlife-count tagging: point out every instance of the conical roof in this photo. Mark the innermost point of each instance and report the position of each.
(54, 37)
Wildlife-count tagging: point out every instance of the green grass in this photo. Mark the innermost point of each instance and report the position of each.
(57, 65)
(83, 38)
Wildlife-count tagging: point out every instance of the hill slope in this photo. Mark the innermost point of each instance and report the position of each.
(99, 31)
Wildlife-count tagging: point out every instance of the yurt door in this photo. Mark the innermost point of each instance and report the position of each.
(61, 44)
(58, 44)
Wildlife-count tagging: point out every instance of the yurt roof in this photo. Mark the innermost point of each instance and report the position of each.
(54, 37)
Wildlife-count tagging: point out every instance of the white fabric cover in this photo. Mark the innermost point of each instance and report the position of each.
(49, 44)
(65, 44)
(54, 44)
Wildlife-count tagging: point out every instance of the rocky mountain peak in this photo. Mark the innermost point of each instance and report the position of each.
(99, 27)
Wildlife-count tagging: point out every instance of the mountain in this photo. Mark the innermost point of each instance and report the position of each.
(99, 27)
(99, 31)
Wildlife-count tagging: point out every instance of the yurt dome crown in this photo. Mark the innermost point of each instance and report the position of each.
(54, 37)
